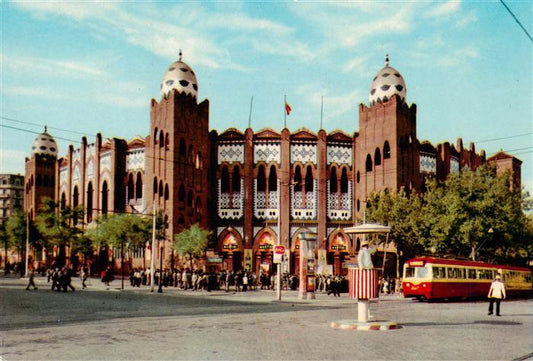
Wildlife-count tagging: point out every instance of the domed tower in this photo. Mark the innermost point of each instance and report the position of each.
(40, 174)
(387, 153)
(178, 151)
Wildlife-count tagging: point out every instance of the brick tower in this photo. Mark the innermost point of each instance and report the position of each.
(40, 173)
(178, 152)
(387, 151)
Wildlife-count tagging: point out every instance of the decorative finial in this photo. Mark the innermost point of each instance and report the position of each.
(180, 55)
(387, 60)
(45, 129)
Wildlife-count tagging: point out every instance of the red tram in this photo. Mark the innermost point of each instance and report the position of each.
(440, 278)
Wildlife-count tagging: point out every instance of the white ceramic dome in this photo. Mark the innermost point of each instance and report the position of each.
(386, 84)
(181, 77)
(44, 144)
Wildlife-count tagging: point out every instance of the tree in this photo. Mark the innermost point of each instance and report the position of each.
(57, 226)
(192, 242)
(472, 214)
(122, 231)
(16, 229)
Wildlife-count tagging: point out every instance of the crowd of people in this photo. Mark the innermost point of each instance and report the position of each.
(198, 280)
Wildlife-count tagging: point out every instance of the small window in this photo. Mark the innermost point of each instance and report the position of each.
(385, 87)
(184, 70)
(368, 163)
(373, 91)
(184, 82)
(169, 82)
(385, 75)
(399, 87)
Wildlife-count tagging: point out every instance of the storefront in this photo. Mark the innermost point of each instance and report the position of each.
(231, 249)
(263, 250)
(338, 250)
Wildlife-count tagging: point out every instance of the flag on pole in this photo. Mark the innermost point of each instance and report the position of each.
(287, 108)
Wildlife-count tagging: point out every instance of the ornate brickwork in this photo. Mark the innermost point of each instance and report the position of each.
(230, 153)
(135, 160)
(428, 163)
(339, 155)
(267, 152)
(303, 153)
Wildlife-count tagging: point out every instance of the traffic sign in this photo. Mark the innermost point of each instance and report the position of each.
(279, 249)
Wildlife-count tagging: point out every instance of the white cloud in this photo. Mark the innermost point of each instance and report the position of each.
(458, 57)
(444, 9)
(76, 10)
(39, 66)
(38, 92)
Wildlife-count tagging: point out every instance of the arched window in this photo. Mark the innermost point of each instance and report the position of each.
(161, 139)
(377, 157)
(63, 200)
(333, 181)
(105, 192)
(224, 180)
(198, 209)
(155, 185)
(166, 192)
(130, 189)
(272, 179)
(386, 150)
(181, 193)
(89, 211)
(167, 141)
(298, 179)
(368, 163)
(309, 183)
(344, 181)
(261, 179)
(190, 155)
(189, 199)
(156, 131)
(139, 187)
(183, 148)
(76, 197)
(198, 162)
(160, 188)
(236, 180)
(358, 176)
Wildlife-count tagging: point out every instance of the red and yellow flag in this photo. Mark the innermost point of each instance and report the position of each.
(287, 108)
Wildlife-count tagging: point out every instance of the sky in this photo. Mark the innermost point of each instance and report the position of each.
(93, 66)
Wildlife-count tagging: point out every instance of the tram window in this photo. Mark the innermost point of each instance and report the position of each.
(439, 272)
(409, 272)
(484, 274)
(471, 273)
(422, 272)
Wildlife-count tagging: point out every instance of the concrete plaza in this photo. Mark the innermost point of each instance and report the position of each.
(102, 323)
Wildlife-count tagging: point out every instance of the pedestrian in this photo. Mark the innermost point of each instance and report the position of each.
(244, 282)
(31, 282)
(55, 280)
(84, 276)
(496, 294)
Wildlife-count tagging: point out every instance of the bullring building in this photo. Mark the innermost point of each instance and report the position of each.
(253, 189)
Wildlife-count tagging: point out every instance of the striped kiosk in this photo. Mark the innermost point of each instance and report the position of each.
(363, 286)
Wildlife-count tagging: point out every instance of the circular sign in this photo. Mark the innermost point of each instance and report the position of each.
(279, 249)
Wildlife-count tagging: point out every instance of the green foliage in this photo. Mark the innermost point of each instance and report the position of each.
(56, 224)
(192, 242)
(121, 230)
(473, 214)
(16, 229)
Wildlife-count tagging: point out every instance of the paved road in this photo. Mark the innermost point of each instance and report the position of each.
(134, 324)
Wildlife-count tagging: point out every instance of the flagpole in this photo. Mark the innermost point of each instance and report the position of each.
(250, 116)
(321, 111)
(284, 112)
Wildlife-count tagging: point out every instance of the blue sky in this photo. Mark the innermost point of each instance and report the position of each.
(91, 67)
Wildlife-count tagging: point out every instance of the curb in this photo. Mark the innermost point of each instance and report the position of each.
(364, 326)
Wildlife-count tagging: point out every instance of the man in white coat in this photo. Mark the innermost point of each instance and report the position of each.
(496, 294)
(364, 258)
